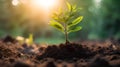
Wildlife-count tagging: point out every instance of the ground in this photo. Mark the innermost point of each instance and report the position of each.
(81, 54)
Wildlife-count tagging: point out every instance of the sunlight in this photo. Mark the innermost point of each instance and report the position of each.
(44, 3)
(97, 3)
(39, 10)
(15, 2)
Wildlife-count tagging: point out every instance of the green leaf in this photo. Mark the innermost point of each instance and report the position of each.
(75, 29)
(74, 7)
(57, 25)
(69, 6)
(76, 21)
(54, 16)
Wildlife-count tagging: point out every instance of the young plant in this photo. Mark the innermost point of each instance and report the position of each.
(29, 40)
(23, 40)
(66, 20)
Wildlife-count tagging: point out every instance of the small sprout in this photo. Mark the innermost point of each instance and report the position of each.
(20, 39)
(66, 20)
(23, 40)
(29, 40)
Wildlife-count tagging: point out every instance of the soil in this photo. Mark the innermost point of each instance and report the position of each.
(81, 54)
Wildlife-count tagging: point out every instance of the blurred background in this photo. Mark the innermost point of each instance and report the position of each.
(22, 17)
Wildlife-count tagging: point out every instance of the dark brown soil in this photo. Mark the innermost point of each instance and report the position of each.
(82, 54)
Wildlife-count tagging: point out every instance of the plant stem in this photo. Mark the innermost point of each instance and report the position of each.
(66, 34)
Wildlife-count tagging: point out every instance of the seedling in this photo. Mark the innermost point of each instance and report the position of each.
(29, 40)
(23, 40)
(66, 20)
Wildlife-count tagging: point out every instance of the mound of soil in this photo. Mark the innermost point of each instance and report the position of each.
(85, 54)
(70, 51)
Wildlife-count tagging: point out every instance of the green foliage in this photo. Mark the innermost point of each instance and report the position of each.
(76, 21)
(65, 20)
(75, 29)
(57, 25)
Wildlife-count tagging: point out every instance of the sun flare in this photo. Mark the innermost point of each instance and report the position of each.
(15, 2)
(44, 3)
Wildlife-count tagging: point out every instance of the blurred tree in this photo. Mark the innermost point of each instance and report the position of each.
(111, 18)
(88, 22)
